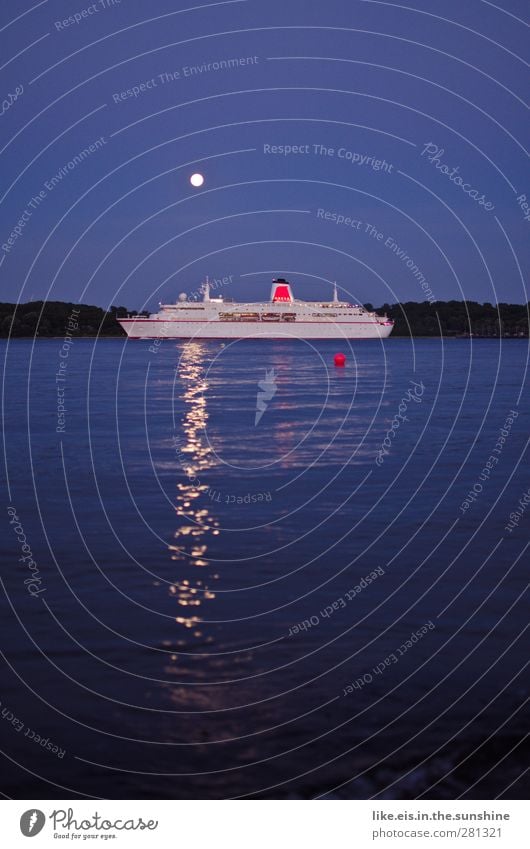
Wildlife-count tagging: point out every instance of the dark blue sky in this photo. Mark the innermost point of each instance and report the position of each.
(360, 87)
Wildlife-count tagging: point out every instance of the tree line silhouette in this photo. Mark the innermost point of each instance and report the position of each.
(412, 318)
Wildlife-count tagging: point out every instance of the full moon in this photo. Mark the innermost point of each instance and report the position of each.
(196, 180)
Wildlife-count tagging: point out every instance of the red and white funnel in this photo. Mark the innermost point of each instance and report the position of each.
(281, 292)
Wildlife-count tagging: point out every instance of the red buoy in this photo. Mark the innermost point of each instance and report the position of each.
(339, 360)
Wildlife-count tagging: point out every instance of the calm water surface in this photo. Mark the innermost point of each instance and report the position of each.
(202, 619)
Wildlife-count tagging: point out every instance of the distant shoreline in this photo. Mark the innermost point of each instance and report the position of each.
(412, 319)
(390, 338)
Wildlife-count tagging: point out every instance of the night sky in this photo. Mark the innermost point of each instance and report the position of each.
(378, 144)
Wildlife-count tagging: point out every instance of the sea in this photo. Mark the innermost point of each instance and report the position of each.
(236, 570)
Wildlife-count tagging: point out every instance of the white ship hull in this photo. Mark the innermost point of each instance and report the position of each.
(156, 329)
(283, 317)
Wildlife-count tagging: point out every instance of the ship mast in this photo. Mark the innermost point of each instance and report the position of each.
(335, 298)
(206, 290)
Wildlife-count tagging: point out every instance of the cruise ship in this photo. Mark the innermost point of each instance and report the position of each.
(282, 317)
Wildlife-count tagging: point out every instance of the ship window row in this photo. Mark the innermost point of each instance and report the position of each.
(254, 316)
